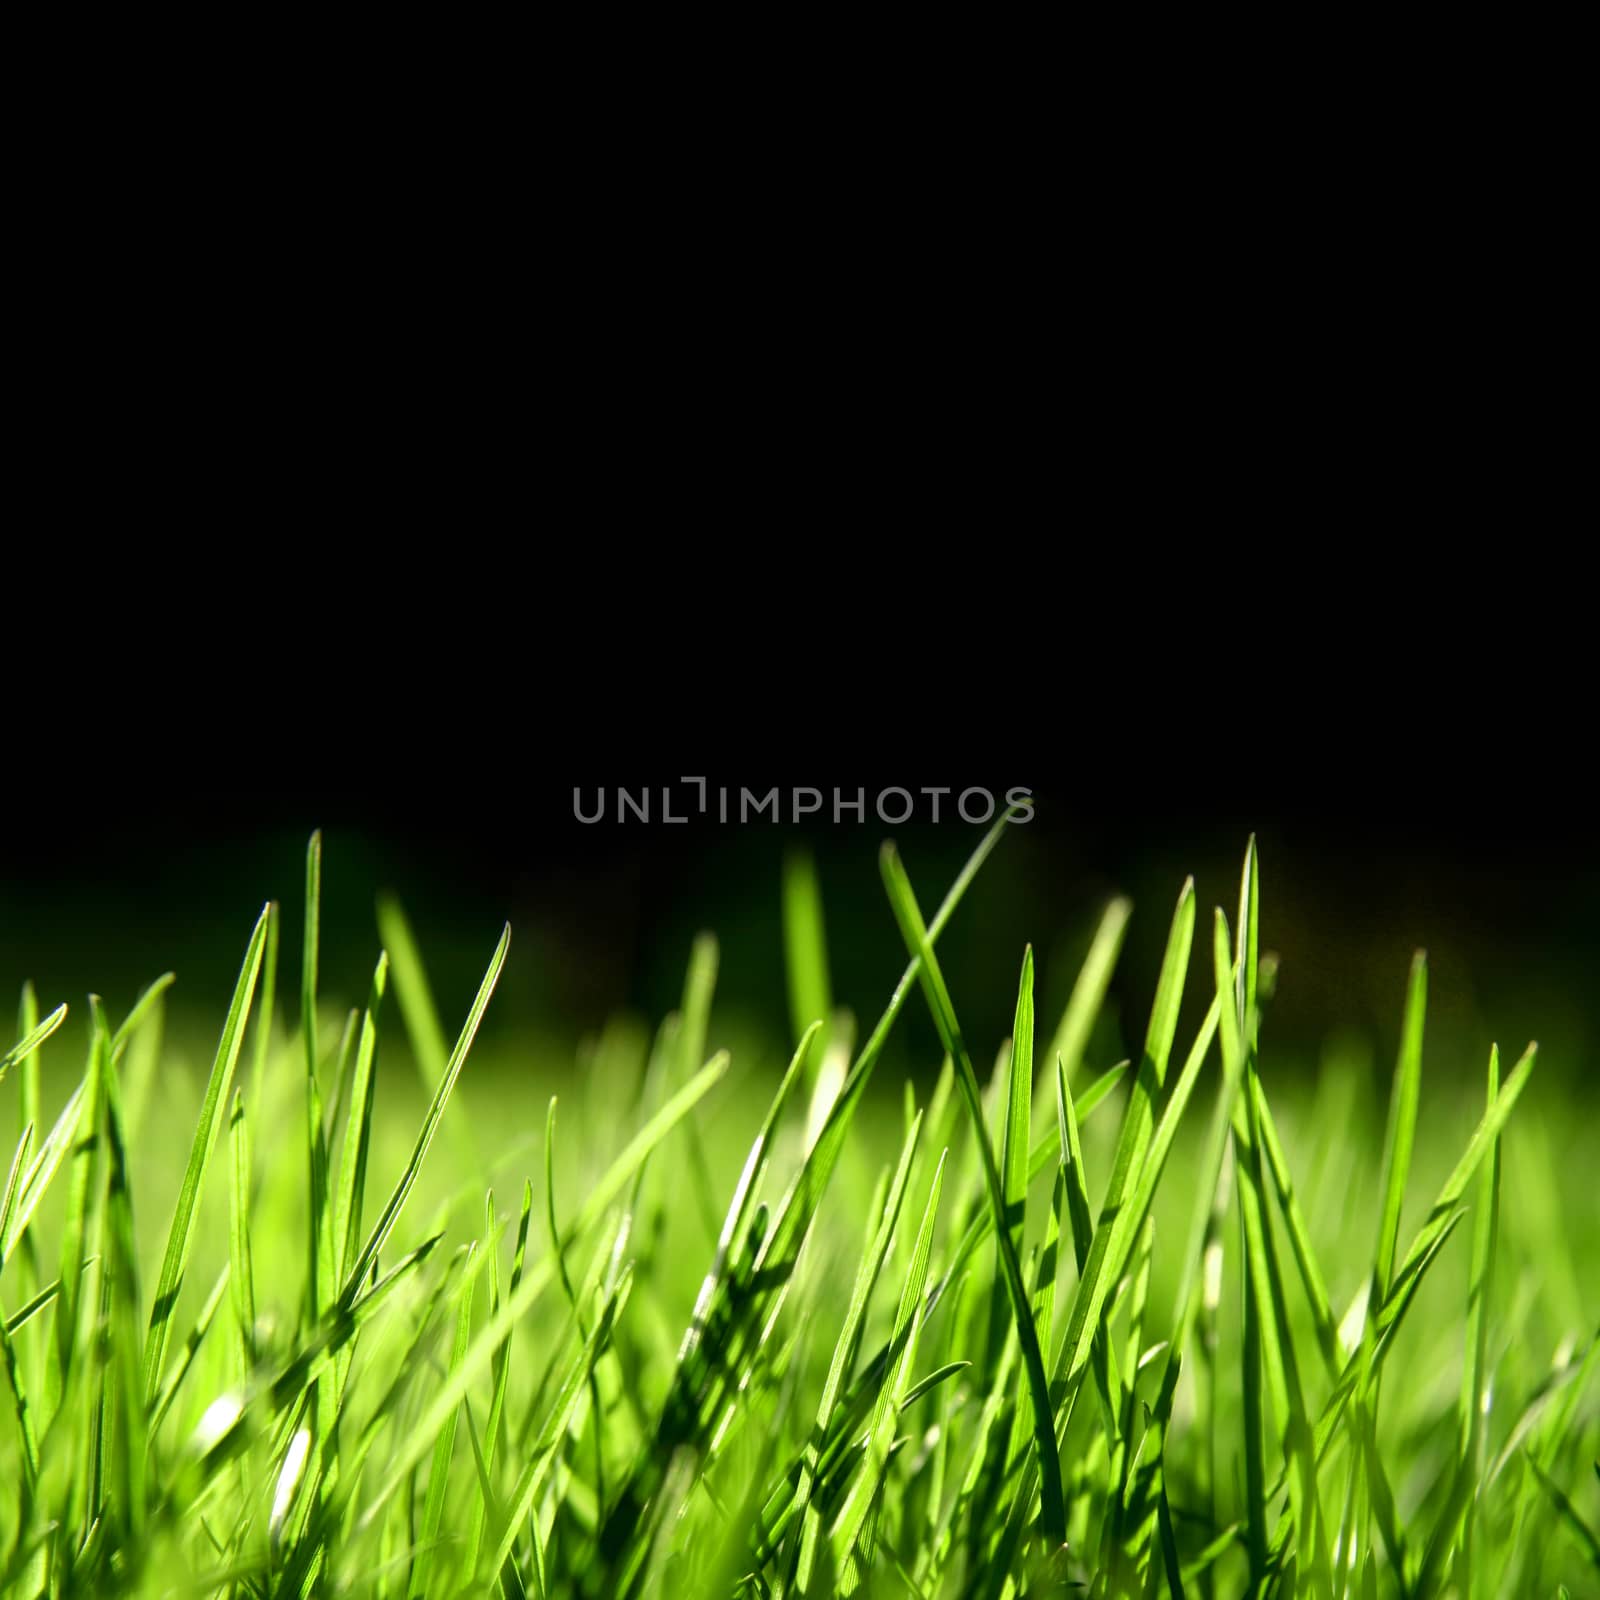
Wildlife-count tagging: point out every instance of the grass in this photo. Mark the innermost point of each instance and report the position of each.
(1183, 1325)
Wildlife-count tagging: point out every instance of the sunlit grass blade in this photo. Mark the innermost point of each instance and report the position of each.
(122, 1407)
(798, 1208)
(694, 1014)
(1075, 1183)
(180, 1237)
(780, 1247)
(1015, 1123)
(1169, 1548)
(320, 1266)
(928, 1384)
(539, 1276)
(29, 1120)
(1473, 1407)
(1402, 1126)
(867, 1271)
(430, 1126)
(555, 1426)
(1133, 1146)
(32, 1037)
(24, 1314)
(11, 1326)
(805, 952)
(19, 1163)
(265, 1010)
(26, 1436)
(738, 1214)
(1071, 1037)
(1326, 1324)
(418, 1011)
(42, 1169)
(601, 1195)
(1139, 1162)
(1019, 1107)
(241, 1266)
(486, 1505)
(28, 1077)
(1455, 1186)
(189, 1349)
(909, 916)
(351, 1182)
(571, 1293)
(1364, 1364)
(444, 1446)
(135, 1019)
(848, 1524)
(1268, 1343)
(77, 1230)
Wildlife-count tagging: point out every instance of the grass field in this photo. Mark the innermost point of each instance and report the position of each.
(340, 1313)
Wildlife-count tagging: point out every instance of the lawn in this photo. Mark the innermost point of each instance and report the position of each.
(343, 1305)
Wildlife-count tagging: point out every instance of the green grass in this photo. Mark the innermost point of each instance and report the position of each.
(1188, 1324)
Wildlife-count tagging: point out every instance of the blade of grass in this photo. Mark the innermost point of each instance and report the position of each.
(358, 1131)
(925, 1385)
(320, 1271)
(28, 1080)
(779, 1252)
(180, 1237)
(538, 1278)
(1016, 1122)
(1582, 1535)
(418, 1011)
(430, 1126)
(142, 1008)
(261, 1044)
(1473, 1408)
(909, 916)
(444, 1447)
(571, 1293)
(1401, 1131)
(28, 1119)
(567, 1395)
(486, 1506)
(805, 951)
(1108, 1380)
(1141, 1157)
(190, 1349)
(1268, 1345)
(1019, 1107)
(1071, 1037)
(123, 1409)
(1133, 1146)
(738, 1213)
(867, 1271)
(848, 1524)
(42, 1169)
(10, 1327)
(1326, 1324)
(32, 1037)
(241, 1266)
(77, 1227)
